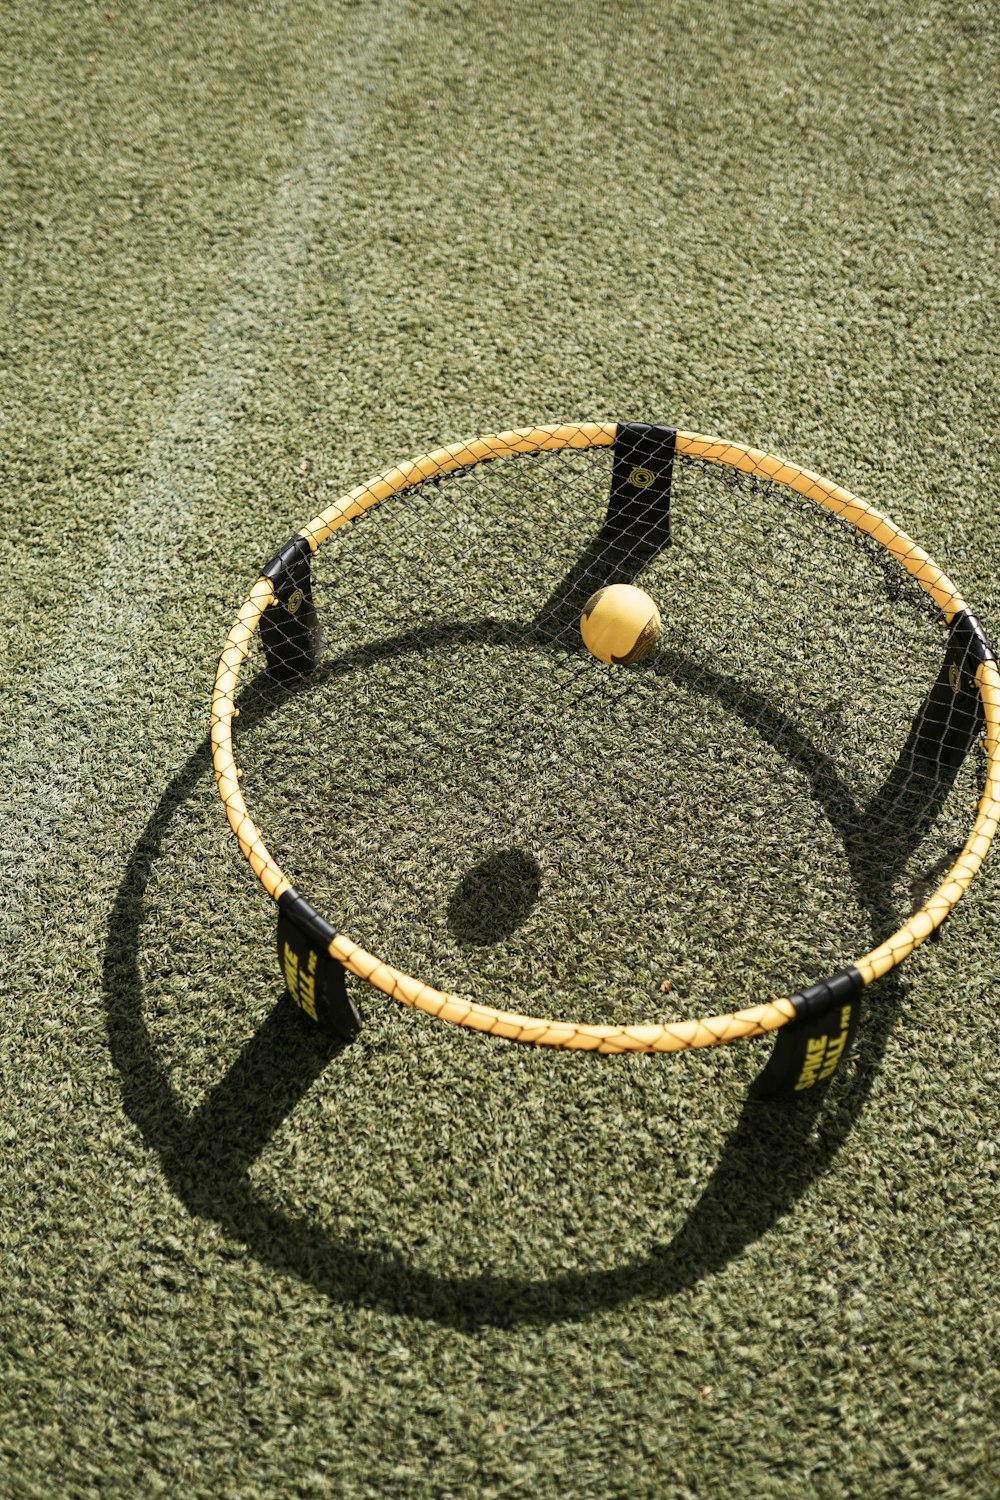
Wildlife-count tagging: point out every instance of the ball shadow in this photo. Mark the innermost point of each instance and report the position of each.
(494, 898)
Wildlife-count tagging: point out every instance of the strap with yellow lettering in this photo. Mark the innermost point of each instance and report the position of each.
(315, 981)
(808, 1050)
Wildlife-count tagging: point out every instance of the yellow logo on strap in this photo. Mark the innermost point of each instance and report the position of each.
(301, 982)
(824, 1053)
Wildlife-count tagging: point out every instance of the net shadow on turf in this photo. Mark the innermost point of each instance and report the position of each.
(206, 1157)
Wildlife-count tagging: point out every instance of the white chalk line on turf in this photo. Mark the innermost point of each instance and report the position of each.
(111, 674)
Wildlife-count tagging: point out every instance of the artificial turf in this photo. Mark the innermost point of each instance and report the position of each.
(252, 254)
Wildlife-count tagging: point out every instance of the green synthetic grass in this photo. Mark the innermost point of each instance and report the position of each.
(255, 253)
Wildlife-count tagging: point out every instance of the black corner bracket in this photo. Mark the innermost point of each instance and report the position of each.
(290, 631)
(314, 980)
(638, 515)
(950, 719)
(808, 1050)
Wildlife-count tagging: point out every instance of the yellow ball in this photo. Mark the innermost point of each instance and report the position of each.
(619, 624)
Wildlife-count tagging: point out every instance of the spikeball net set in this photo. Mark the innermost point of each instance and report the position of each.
(454, 802)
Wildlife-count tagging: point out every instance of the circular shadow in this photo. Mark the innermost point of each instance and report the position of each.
(493, 899)
(207, 1156)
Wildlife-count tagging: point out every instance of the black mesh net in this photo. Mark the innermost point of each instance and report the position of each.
(467, 792)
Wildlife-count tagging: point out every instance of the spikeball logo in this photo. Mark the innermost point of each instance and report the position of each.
(824, 1053)
(300, 978)
(642, 478)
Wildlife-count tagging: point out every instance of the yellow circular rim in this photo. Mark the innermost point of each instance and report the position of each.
(667, 1036)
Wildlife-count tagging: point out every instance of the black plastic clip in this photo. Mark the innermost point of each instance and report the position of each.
(289, 629)
(951, 717)
(809, 1049)
(638, 516)
(314, 980)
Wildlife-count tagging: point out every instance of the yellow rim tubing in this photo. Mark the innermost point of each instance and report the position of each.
(447, 460)
(674, 1036)
(951, 890)
(811, 486)
(224, 711)
(667, 1036)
